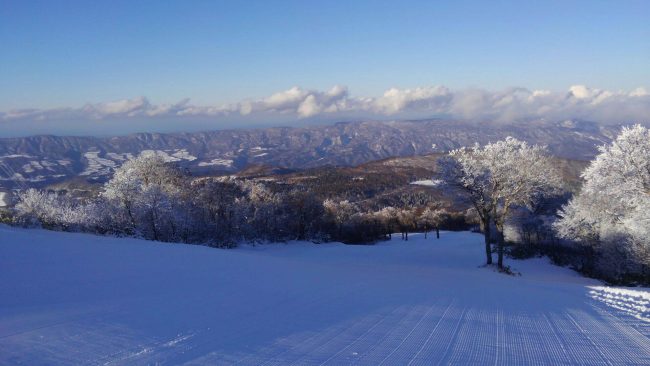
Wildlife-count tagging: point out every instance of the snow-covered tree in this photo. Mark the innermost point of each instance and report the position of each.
(53, 210)
(148, 191)
(340, 212)
(611, 214)
(387, 218)
(265, 216)
(522, 174)
(465, 169)
(498, 177)
(36, 207)
(432, 218)
(406, 219)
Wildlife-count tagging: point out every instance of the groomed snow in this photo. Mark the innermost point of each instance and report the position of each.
(81, 299)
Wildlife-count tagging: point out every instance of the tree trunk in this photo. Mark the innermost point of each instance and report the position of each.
(501, 245)
(437, 232)
(488, 246)
(425, 234)
(131, 218)
(153, 225)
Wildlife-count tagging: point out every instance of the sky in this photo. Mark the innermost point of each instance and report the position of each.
(84, 67)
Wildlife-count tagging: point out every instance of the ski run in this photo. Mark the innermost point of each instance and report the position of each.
(80, 299)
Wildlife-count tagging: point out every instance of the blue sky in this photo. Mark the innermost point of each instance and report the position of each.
(68, 53)
(63, 53)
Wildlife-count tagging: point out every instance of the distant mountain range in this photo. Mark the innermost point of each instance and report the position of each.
(42, 160)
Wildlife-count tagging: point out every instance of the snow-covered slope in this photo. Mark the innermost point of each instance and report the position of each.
(80, 299)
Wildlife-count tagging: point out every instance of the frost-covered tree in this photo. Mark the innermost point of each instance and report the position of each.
(387, 218)
(339, 212)
(522, 174)
(498, 177)
(465, 169)
(148, 192)
(406, 219)
(432, 218)
(265, 215)
(53, 210)
(611, 214)
(36, 207)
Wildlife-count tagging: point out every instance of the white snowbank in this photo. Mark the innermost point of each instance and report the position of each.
(427, 182)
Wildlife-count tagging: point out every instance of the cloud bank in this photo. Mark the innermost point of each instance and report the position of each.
(298, 105)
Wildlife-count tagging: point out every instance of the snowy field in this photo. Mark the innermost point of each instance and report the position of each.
(81, 299)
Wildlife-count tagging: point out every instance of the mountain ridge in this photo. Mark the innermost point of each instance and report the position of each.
(44, 159)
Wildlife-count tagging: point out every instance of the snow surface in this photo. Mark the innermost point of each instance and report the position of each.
(5, 199)
(97, 165)
(177, 155)
(428, 182)
(224, 162)
(82, 299)
(13, 156)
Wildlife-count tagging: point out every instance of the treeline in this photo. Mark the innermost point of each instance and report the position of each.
(152, 199)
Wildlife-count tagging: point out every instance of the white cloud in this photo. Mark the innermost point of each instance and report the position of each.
(285, 100)
(129, 107)
(580, 92)
(639, 92)
(165, 109)
(309, 107)
(399, 100)
(304, 103)
(510, 105)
